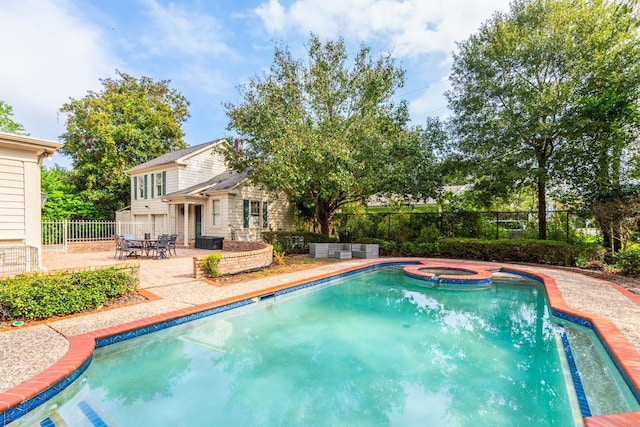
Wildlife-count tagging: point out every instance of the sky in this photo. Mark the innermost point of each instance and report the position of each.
(57, 50)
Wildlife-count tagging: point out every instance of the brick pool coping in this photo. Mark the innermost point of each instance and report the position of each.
(32, 393)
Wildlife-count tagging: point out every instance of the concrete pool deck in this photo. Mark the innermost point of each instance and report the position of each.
(32, 357)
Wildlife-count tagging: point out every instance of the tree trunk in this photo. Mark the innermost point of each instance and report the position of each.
(323, 215)
(542, 207)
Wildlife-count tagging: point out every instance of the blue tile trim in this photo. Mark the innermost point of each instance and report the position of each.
(47, 422)
(92, 415)
(575, 375)
(587, 324)
(28, 405)
(521, 273)
(113, 339)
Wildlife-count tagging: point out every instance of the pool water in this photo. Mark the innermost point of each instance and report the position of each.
(371, 349)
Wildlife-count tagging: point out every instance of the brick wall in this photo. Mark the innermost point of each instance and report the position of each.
(237, 262)
(99, 246)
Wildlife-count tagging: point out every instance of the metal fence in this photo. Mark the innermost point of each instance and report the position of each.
(18, 259)
(426, 226)
(56, 235)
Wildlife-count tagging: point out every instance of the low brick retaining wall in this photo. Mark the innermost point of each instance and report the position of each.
(82, 247)
(238, 257)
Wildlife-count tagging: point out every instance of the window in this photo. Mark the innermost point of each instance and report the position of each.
(159, 184)
(215, 209)
(255, 213)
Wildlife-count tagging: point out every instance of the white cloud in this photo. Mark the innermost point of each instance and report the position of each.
(273, 16)
(409, 28)
(50, 54)
(176, 29)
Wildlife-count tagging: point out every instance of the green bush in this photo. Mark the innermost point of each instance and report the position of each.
(419, 249)
(37, 296)
(524, 250)
(295, 242)
(210, 264)
(628, 262)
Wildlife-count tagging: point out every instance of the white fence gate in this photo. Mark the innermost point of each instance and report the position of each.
(56, 235)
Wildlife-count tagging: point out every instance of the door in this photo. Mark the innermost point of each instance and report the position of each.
(198, 219)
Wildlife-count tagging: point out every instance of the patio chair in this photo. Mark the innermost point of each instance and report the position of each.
(162, 247)
(119, 240)
(128, 248)
(173, 239)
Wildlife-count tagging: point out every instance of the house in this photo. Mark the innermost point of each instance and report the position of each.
(192, 193)
(21, 201)
(378, 201)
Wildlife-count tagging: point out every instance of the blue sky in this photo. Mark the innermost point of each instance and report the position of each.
(60, 49)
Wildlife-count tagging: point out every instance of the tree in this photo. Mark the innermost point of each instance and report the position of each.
(326, 133)
(63, 199)
(6, 122)
(519, 84)
(607, 115)
(129, 122)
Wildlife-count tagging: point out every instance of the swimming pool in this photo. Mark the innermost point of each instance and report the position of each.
(374, 348)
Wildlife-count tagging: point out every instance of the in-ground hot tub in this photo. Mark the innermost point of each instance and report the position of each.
(452, 278)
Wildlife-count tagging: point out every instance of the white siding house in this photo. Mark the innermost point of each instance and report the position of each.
(21, 200)
(191, 192)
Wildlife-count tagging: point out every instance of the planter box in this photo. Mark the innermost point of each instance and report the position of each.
(209, 242)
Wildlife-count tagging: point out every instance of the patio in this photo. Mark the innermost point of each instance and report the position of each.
(27, 351)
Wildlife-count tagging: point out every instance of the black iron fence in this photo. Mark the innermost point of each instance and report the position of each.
(429, 226)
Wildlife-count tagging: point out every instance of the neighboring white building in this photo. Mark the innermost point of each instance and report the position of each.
(21, 200)
(191, 192)
(383, 201)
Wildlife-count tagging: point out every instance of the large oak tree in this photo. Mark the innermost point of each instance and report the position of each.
(326, 130)
(130, 121)
(535, 86)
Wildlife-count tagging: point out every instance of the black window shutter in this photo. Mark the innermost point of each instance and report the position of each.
(145, 187)
(245, 213)
(135, 188)
(152, 185)
(164, 183)
(265, 217)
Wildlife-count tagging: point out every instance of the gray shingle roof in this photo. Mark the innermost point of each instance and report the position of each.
(227, 180)
(173, 156)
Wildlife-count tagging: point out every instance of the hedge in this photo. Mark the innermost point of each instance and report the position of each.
(296, 242)
(514, 250)
(37, 295)
(628, 262)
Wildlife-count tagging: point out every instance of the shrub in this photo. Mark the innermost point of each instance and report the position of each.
(386, 247)
(278, 254)
(210, 264)
(295, 242)
(419, 249)
(37, 295)
(628, 262)
(525, 250)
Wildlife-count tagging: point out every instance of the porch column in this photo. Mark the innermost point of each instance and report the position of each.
(186, 225)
